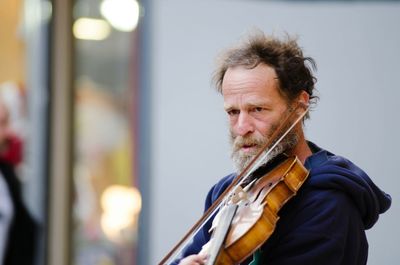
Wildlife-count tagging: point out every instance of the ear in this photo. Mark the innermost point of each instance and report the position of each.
(303, 98)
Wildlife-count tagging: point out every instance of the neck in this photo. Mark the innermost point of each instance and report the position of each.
(301, 150)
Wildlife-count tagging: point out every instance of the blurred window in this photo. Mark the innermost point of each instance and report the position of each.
(106, 199)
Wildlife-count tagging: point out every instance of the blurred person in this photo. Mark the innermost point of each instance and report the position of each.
(17, 227)
(261, 82)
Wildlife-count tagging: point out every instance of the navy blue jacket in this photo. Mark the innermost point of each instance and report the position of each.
(325, 222)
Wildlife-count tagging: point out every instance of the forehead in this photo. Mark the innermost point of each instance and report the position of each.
(260, 80)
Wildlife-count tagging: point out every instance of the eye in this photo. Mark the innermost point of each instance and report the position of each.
(233, 112)
(257, 109)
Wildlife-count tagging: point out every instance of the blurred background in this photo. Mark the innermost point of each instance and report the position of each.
(116, 133)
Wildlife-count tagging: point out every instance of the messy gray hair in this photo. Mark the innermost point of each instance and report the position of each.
(283, 55)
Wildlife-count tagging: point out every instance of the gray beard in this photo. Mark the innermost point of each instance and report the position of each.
(241, 159)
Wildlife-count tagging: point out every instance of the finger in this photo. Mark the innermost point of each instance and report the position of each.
(193, 260)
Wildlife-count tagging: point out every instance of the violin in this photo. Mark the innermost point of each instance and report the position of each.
(246, 214)
(254, 213)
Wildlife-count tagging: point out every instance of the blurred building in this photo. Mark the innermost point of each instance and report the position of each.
(69, 76)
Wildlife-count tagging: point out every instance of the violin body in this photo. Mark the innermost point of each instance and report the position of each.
(257, 214)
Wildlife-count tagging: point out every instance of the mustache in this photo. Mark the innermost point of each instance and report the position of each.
(239, 142)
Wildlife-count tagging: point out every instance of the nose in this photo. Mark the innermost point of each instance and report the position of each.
(244, 125)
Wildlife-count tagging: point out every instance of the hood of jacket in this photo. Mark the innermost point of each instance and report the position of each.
(330, 171)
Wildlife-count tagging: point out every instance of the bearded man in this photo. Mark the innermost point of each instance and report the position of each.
(262, 81)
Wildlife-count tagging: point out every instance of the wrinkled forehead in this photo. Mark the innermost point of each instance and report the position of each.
(242, 77)
(261, 72)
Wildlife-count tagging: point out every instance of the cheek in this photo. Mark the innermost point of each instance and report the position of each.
(266, 128)
(269, 124)
(232, 122)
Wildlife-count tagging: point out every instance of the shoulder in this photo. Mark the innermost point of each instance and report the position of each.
(324, 224)
(316, 215)
(218, 189)
(316, 208)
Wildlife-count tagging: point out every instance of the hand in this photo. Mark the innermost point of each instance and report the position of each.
(199, 259)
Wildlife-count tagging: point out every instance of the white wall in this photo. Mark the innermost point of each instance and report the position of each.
(356, 49)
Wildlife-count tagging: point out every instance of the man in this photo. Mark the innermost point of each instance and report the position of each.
(261, 82)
